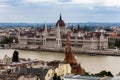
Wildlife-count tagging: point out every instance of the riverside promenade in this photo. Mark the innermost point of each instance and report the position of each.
(107, 52)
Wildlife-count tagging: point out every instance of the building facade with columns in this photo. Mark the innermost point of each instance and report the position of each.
(55, 38)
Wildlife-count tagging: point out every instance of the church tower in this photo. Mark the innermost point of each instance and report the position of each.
(70, 59)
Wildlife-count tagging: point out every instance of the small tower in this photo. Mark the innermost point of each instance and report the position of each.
(45, 33)
(101, 39)
(58, 37)
(70, 59)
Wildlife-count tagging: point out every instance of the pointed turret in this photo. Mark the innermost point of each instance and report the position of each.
(58, 37)
(69, 57)
(45, 31)
(45, 27)
(60, 17)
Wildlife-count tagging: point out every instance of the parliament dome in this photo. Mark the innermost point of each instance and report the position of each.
(60, 22)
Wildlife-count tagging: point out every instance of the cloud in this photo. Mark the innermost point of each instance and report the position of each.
(105, 3)
(40, 1)
(64, 0)
(72, 10)
(112, 3)
(8, 3)
(84, 3)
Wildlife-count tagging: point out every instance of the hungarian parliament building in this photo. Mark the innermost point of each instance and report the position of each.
(55, 38)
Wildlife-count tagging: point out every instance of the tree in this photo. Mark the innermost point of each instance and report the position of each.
(104, 73)
(37, 78)
(15, 57)
(109, 74)
(55, 77)
(100, 74)
(58, 78)
(117, 44)
(9, 40)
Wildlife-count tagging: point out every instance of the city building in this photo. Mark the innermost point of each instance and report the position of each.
(55, 38)
(63, 70)
(41, 72)
(7, 60)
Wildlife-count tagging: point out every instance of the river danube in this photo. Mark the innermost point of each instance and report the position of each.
(91, 64)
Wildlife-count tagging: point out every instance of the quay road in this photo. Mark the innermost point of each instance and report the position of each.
(107, 52)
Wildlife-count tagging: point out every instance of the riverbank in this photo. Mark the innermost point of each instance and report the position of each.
(107, 52)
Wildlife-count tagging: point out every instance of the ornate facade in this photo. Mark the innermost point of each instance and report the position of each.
(55, 38)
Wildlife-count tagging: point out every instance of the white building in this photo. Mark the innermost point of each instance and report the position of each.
(7, 60)
(55, 38)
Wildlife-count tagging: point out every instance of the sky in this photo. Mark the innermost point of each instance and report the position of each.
(40, 11)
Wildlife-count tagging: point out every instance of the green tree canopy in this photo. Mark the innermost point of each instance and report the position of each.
(100, 74)
(104, 73)
(15, 57)
(55, 77)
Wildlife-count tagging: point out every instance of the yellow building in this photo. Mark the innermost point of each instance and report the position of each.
(7, 60)
(49, 74)
(63, 70)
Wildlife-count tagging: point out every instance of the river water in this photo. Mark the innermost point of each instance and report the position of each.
(91, 64)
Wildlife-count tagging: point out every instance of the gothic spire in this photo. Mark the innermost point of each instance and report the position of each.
(60, 16)
(45, 30)
(69, 57)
